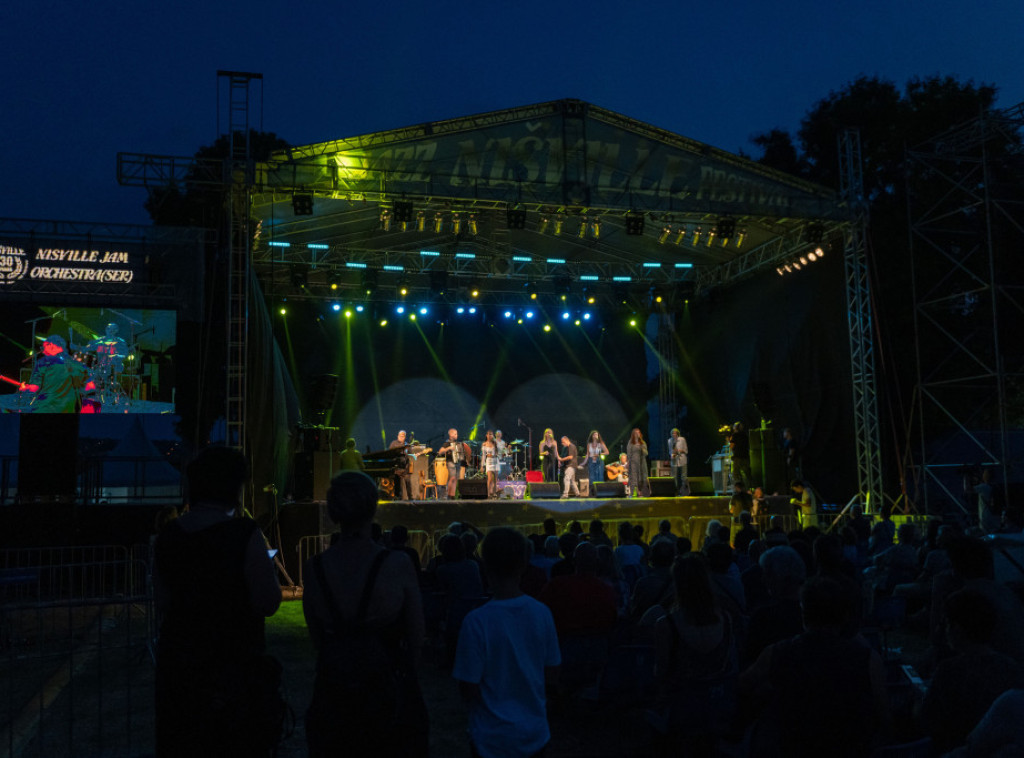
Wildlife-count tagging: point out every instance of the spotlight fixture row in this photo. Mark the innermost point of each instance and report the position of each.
(725, 232)
(404, 219)
(800, 261)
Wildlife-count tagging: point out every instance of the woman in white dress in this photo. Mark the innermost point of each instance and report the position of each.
(489, 453)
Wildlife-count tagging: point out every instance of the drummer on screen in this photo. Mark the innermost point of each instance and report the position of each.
(454, 458)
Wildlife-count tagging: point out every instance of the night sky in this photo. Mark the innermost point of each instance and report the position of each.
(81, 81)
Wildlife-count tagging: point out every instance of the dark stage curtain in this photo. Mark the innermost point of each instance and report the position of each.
(776, 346)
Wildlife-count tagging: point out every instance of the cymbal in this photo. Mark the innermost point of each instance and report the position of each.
(517, 442)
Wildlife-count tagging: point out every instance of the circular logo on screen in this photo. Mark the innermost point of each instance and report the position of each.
(13, 264)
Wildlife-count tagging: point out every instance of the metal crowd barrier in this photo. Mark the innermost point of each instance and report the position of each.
(76, 676)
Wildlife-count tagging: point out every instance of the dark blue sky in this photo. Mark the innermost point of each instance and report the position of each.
(81, 81)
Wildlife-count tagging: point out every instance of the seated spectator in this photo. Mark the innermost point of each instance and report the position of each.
(630, 556)
(400, 543)
(710, 534)
(776, 534)
(549, 556)
(754, 589)
(793, 678)
(972, 567)
(861, 526)
(695, 653)
(533, 579)
(935, 560)
(1000, 733)
(896, 564)
(608, 571)
(964, 686)
(882, 534)
(597, 534)
(581, 603)
(664, 533)
(725, 580)
(830, 562)
(657, 586)
(784, 573)
(567, 547)
(507, 654)
(747, 533)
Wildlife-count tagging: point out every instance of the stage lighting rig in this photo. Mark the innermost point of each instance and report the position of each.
(403, 211)
(634, 224)
(302, 203)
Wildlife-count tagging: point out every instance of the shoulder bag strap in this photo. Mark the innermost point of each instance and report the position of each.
(364, 600)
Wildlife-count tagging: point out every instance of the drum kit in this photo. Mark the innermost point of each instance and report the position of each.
(512, 465)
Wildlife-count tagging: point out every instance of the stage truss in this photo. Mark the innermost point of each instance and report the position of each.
(966, 237)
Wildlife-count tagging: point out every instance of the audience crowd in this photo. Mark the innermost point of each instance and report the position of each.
(752, 640)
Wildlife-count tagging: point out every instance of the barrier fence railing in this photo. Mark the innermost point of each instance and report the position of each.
(76, 677)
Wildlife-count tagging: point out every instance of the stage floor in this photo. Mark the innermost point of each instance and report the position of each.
(436, 515)
(16, 403)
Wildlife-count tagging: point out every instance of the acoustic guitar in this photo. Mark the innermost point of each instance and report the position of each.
(615, 471)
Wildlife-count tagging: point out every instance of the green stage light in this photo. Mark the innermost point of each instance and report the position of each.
(383, 322)
(284, 311)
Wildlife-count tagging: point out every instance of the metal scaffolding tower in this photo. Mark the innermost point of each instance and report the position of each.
(966, 234)
(239, 170)
(858, 301)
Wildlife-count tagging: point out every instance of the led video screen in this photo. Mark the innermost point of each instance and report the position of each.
(86, 360)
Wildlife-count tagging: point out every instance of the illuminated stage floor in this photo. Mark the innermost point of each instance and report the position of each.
(434, 515)
(16, 403)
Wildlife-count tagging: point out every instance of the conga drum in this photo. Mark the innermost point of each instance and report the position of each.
(440, 471)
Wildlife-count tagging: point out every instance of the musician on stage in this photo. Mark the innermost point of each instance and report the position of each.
(57, 381)
(677, 452)
(455, 458)
(618, 471)
(402, 488)
(739, 446)
(489, 454)
(569, 462)
(595, 450)
(549, 456)
(500, 445)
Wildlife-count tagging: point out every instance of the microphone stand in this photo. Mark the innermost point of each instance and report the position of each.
(529, 445)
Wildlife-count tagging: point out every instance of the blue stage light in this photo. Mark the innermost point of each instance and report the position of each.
(565, 315)
(529, 314)
(472, 309)
(460, 309)
(508, 314)
(423, 311)
(359, 309)
(400, 309)
(336, 307)
(586, 317)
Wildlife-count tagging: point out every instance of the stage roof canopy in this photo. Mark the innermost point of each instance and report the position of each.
(563, 191)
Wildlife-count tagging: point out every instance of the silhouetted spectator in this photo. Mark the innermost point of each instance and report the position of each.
(784, 573)
(567, 547)
(964, 686)
(400, 542)
(581, 603)
(657, 586)
(214, 586)
(367, 717)
(793, 678)
(664, 533)
(747, 533)
(597, 534)
(508, 652)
